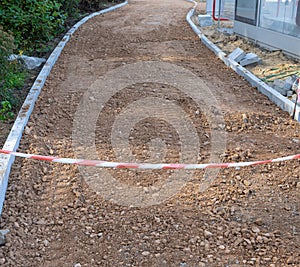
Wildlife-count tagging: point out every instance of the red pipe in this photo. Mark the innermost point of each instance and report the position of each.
(213, 12)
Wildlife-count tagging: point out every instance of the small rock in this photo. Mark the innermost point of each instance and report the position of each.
(207, 233)
(100, 235)
(290, 260)
(146, 189)
(187, 250)
(27, 130)
(227, 251)
(46, 243)
(41, 222)
(222, 247)
(233, 38)
(248, 241)
(77, 265)
(259, 221)
(259, 239)
(237, 242)
(255, 230)
(3, 234)
(145, 253)
(245, 119)
(247, 183)
(295, 140)
(157, 219)
(267, 234)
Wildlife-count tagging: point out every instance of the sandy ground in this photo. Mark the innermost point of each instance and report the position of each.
(61, 215)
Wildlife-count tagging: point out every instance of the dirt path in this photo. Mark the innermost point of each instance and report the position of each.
(60, 215)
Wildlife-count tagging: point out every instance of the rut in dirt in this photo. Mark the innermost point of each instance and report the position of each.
(62, 215)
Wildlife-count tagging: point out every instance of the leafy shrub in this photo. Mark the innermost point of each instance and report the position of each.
(6, 48)
(94, 5)
(13, 80)
(5, 111)
(32, 22)
(11, 76)
(29, 25)
(70, 7)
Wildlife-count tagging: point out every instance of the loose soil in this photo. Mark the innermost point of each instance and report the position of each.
(247, 217)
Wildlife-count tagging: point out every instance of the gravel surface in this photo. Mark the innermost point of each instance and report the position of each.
(246, 217)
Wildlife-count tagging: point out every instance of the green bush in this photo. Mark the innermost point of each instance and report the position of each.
(32, 22)
(93, 5)
(12, 76)
(29, 25)
(5, 111)
(6, 48)
(70, 7)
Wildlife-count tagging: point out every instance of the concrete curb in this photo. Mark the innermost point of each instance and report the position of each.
(282, 102)
(14, 137)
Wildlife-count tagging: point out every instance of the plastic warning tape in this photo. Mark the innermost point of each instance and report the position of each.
(162, 166)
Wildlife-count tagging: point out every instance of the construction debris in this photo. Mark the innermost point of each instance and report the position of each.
(284, 87)
(242, 58)
(237, 55)
(29, 62)
(249, 59)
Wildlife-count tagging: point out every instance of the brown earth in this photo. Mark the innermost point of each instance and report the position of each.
(246, 217)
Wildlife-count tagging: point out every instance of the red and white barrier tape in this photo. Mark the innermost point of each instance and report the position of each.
(120, 165)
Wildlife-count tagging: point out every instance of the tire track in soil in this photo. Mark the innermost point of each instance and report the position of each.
(247, 217)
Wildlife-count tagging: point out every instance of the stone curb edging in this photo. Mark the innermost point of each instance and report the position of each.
(282, 102)
(14, 137)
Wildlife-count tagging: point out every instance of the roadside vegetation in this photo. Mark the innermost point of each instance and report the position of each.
(29, 27)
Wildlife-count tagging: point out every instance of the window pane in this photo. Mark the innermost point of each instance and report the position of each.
(246, 11)
(281, 16)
